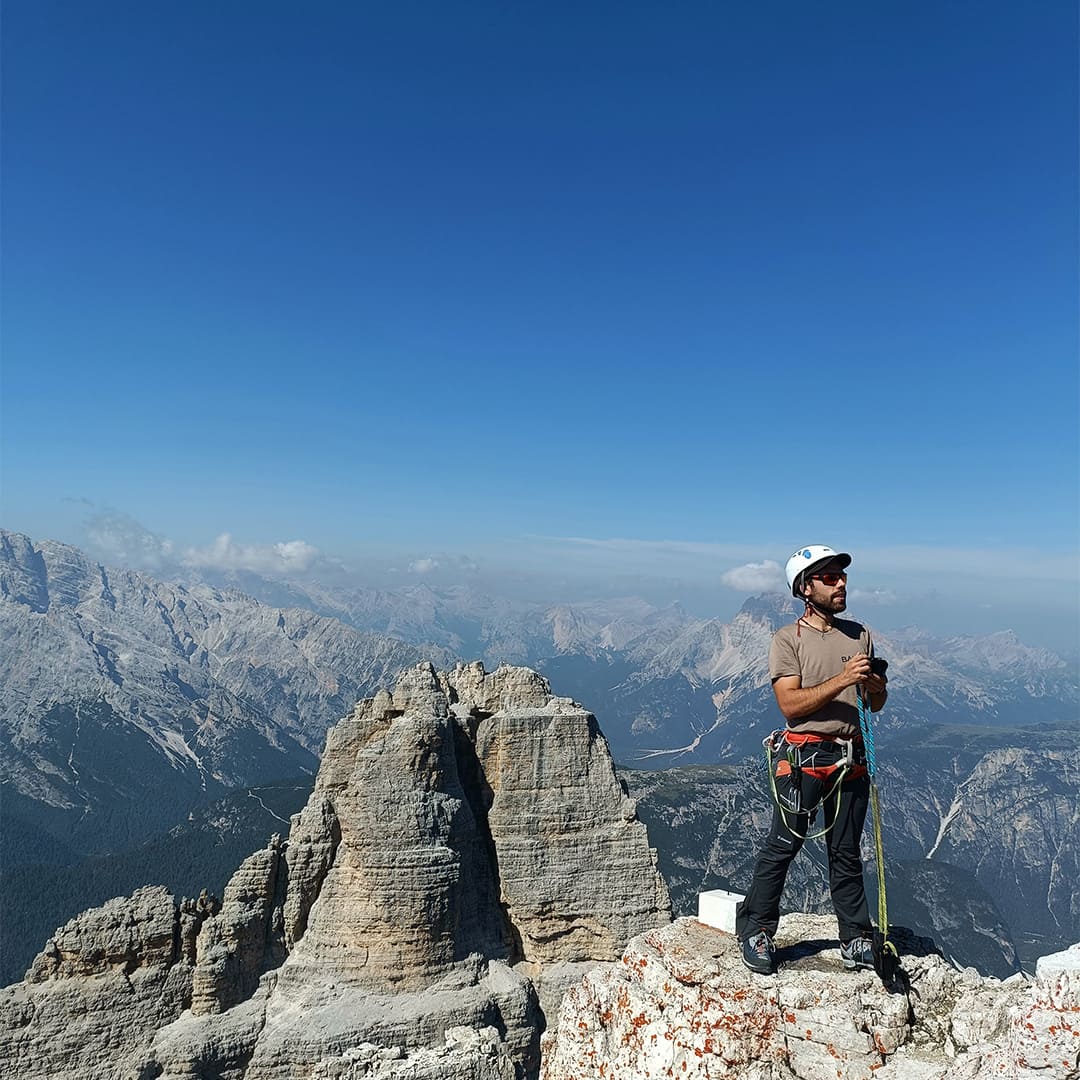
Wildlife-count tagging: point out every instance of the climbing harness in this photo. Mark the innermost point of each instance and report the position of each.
(886, 957)
(802, 753)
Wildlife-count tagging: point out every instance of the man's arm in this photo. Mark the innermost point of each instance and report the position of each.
(796, 700)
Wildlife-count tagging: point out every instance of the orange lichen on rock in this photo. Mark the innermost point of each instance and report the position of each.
(683, 1010)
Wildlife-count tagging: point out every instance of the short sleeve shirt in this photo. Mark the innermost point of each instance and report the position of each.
(815, 657)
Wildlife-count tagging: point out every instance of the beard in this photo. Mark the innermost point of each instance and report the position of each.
(829, 603)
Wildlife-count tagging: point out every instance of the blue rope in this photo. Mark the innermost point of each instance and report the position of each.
(867, 731)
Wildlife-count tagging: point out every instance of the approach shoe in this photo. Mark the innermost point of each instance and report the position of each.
(757, 953)
(857, 953)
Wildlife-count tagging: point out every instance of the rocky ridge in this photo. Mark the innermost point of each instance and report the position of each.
(467, 851)
(679, 1003)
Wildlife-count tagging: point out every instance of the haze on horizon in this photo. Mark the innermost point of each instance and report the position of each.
(613, 299)
(945, 593)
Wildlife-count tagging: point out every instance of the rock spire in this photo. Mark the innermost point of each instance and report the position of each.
(466, 851)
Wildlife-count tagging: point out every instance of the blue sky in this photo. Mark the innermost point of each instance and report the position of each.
(533, 282)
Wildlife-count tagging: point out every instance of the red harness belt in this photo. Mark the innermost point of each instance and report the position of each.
(819, 772)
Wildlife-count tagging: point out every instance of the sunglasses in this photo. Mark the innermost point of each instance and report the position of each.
(830, 579)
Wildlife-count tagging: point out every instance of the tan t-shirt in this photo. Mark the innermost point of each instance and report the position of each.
(816, 657)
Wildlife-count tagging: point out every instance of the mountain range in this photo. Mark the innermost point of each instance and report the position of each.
(127, 699)
(680, 689)
(131, 704)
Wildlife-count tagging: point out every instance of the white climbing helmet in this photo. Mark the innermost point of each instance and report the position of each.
(806, 558)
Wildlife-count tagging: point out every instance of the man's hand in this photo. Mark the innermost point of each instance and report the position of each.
(871, 686)
(857, 670)
(874, 685)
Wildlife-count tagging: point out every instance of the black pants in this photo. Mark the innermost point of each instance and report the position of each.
(761, 908)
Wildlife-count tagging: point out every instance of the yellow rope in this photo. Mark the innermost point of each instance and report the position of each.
(879, 854)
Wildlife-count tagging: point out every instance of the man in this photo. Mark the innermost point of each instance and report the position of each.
(817, 665)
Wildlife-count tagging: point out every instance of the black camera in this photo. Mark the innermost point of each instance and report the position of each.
(878, 666)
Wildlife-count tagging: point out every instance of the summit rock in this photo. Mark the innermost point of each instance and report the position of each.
(679, 1003)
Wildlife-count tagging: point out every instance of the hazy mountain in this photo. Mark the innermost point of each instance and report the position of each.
(675, 688)
(704, 694)
(126, 699)
(465, 618)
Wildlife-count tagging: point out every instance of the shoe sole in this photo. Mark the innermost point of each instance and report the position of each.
(854, 965)
(759, 971)
(771, 970)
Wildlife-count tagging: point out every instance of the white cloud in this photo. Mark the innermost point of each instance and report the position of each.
(296, 554)
(290, 556)
(119, 539)
(755, 577)
(423, 566)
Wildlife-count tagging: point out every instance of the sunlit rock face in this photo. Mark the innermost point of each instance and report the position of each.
(467, 846)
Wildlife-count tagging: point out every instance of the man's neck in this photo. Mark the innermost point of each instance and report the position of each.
(818, 619)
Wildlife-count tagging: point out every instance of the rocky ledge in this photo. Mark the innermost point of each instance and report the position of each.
(679, 1003)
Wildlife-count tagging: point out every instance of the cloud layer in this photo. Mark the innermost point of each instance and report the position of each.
(763, 576)
(287, 557)
(119, 538)
(116, 537)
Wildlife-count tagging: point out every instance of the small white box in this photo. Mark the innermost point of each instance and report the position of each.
(717, 908)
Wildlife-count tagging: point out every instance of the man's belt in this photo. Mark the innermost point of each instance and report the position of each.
(804, 748)
(803, 738)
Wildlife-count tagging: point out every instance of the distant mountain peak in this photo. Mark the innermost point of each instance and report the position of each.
(772, 608)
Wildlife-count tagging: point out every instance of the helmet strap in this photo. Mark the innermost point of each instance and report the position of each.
(811, 607)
